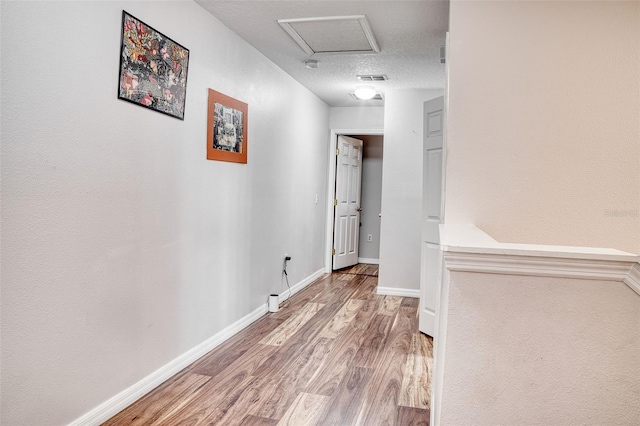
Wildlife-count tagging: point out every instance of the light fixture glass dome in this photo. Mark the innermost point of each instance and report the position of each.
(365, 92)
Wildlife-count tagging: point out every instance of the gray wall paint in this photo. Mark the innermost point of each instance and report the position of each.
(371, 195)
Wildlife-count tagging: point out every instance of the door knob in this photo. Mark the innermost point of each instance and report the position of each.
(359, 209)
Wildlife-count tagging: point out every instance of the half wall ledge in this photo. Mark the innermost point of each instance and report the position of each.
(469, 249)
(513, 333)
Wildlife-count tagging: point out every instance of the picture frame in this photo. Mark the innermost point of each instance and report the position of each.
(226, 128)
(153, 68)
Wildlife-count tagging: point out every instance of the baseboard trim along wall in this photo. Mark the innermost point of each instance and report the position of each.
(301, 285)
(368, 261)
(403, 292)
(119, 402)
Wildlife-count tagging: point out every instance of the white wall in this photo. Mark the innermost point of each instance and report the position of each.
(543, 147)
(533, 350)
(364, 118)
(122, 246)
(543, 128)
(402, 188)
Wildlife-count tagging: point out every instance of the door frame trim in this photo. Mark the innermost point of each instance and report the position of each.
(331, 186)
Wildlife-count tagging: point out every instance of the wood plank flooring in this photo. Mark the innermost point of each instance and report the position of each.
(360, 269)
(337, 354)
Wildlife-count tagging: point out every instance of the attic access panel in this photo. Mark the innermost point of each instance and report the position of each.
(332, 34)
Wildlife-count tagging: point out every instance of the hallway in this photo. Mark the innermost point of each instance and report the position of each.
(335, 354)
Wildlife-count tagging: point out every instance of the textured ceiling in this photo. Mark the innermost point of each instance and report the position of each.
(409, 34)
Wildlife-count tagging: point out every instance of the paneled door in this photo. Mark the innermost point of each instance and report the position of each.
(431, 257)
(346, 223)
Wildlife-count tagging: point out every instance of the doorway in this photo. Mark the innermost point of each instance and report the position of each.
(370, 216)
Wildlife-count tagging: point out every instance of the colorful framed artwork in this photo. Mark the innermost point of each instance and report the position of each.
(153, 68)
(226, 128)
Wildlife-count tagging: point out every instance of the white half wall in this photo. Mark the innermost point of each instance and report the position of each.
(402, 188)
(538, 350)
(534, 334)
(543, 139)
(122, 246)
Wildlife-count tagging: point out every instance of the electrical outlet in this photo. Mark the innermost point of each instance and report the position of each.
(369, 238)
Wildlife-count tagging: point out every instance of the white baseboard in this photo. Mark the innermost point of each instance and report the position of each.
(404, 292)
(302, 284)
(119, 402)
(368, 261)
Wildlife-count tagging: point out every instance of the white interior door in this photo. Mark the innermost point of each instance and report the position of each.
(346, 228)
(432, 212)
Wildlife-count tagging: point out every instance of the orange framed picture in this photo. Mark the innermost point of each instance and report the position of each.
(227, 128)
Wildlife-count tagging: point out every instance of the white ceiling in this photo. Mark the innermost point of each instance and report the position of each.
(409, 34)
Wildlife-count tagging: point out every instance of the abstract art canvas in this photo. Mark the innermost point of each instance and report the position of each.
(153, 68)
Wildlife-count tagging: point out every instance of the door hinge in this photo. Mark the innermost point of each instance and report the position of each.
(335, 202)
(333, 252)
(337, 151)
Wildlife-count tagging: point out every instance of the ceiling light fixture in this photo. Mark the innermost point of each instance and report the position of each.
(365, 92)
